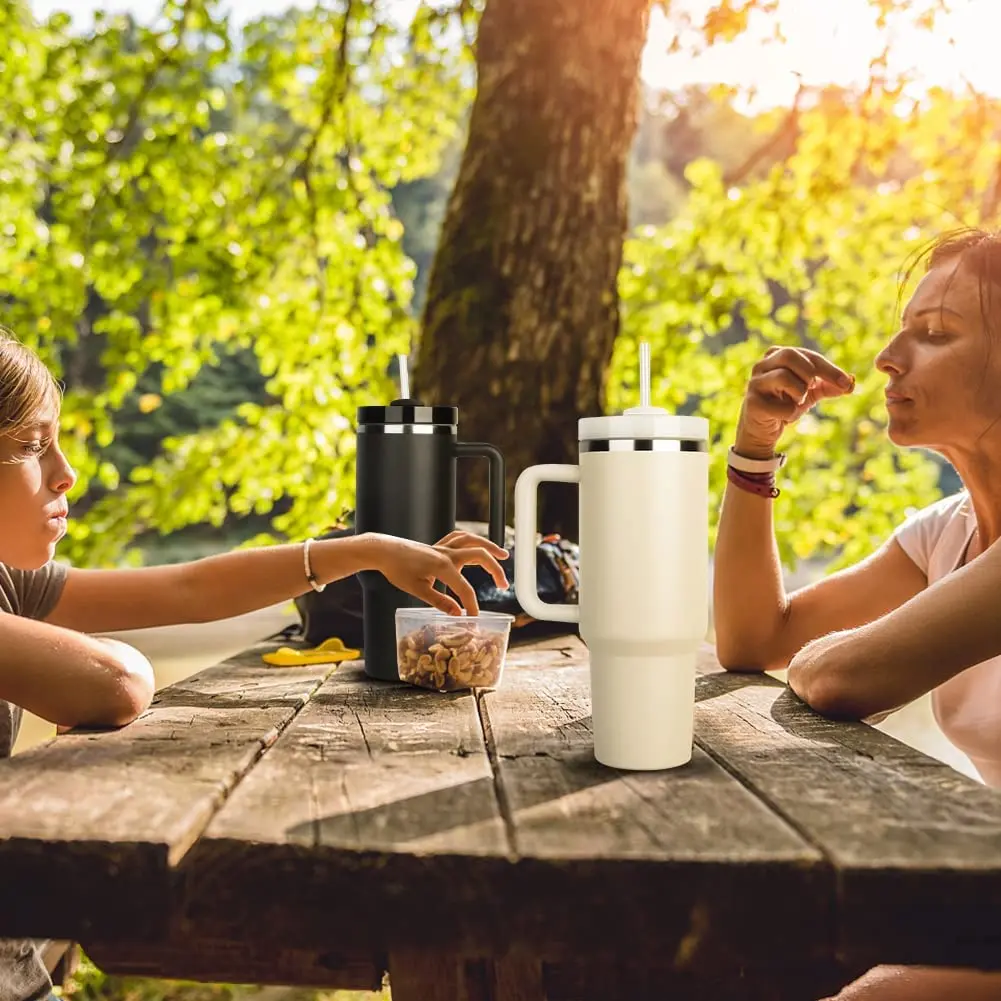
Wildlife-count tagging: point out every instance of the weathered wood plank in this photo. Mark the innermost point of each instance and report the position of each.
(374, 821)
(381, 820)
(366, 825)
(211, 961)
(686, 864)
(916, 845)
(102, 817)
(527, 654)
(634, 977)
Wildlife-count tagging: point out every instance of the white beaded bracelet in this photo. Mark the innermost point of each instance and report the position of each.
(308, 567)
(745, 465)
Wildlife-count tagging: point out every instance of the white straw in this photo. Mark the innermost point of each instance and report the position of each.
(404, 377)
(644, 374)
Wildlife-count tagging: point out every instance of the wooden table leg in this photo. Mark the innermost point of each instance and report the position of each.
(518, 978)
(424, 976)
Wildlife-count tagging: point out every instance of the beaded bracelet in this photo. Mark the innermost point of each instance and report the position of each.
(307, 566)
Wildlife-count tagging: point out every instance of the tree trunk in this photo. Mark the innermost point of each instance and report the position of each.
(522, 309)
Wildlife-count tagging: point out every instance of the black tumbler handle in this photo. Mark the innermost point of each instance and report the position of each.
(480, 450)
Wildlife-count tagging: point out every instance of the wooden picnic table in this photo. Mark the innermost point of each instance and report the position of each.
(310, 826)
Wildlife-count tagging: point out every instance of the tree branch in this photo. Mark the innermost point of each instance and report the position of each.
(337, 88)
(336, 91)
(301, 166)
(787, 129)
(133, 115)
(163, 60)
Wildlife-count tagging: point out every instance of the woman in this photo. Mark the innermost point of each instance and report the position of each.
(50, 661)
(921, 614)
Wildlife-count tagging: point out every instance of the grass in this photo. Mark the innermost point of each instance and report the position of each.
(89, 983)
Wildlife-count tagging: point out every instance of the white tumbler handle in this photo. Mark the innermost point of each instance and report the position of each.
(526, 526)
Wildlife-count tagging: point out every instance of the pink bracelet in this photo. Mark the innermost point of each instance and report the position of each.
(762, 484)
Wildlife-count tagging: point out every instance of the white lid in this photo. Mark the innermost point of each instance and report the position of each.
(643, 422)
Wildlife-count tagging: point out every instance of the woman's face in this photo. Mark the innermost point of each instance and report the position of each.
(34, 478)
(944, 389)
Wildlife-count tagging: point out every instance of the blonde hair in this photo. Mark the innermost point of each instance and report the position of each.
(27, 388)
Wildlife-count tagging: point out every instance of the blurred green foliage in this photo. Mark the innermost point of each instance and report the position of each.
(212, 233)
(180, 197)
(811, 252)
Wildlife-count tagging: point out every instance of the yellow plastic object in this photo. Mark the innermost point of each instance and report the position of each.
(331, 651)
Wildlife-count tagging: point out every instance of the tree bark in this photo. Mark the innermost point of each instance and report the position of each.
(522, 308)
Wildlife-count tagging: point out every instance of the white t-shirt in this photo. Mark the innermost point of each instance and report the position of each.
(968, 706)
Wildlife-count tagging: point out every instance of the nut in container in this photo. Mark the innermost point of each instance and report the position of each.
(449, 653)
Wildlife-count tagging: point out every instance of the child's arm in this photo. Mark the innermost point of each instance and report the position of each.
(218, 587)
(71, 679)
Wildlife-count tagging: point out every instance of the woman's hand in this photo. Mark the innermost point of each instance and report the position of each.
(783, 386)
(414, 567)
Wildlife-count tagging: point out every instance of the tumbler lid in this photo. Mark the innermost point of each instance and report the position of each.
(407, 412)
(644, 421)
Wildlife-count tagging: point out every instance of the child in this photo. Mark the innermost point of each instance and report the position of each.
(52, 665)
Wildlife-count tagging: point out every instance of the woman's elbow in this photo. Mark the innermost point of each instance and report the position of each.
(742, 658)
(828, 694)
(740, 665)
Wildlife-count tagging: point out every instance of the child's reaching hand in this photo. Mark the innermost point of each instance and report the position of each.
(414, 568)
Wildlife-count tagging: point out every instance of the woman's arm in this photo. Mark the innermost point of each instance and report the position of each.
(758, 626)
(218, 587)
(71, 679)
(878, 667)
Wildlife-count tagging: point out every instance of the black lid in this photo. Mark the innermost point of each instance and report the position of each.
(408, 412)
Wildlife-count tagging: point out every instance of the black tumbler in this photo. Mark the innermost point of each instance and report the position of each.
(405, 486)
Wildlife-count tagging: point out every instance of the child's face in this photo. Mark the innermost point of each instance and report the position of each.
(34, 478)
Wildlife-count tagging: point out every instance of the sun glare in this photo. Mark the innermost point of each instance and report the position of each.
(832, 43)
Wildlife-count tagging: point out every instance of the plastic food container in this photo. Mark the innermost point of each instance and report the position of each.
(449, 653)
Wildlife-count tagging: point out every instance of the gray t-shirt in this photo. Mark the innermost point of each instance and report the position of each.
(33, 594)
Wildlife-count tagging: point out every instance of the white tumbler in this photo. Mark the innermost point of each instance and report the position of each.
(643, 611)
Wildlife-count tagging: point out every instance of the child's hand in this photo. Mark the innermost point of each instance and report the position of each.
(414, 567)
